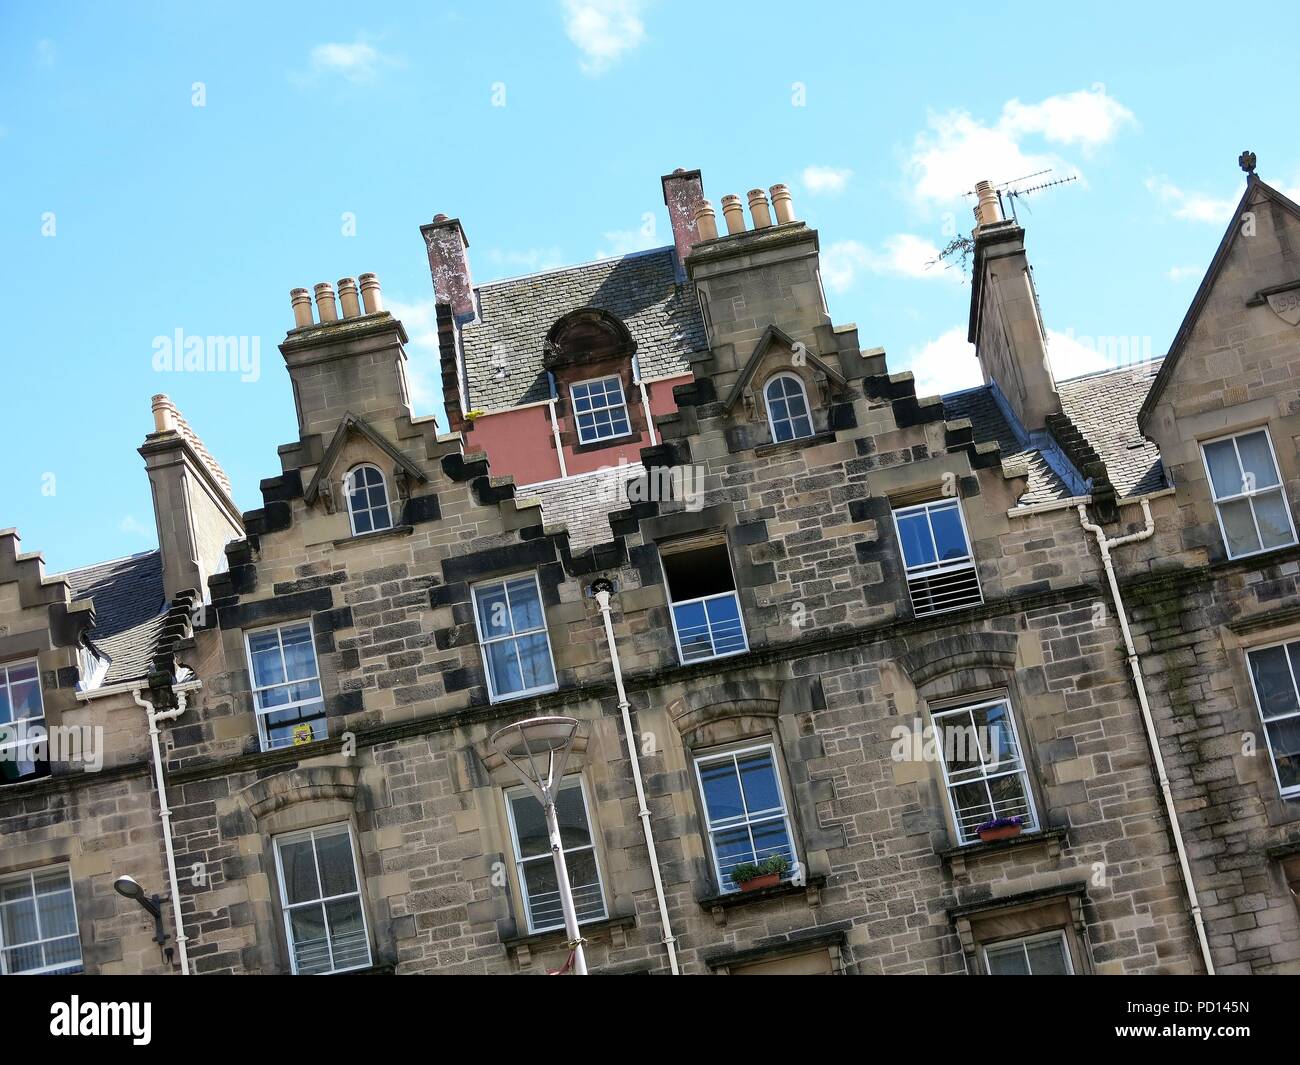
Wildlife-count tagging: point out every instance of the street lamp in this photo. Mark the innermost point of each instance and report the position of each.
(538, 750)
(129, 888)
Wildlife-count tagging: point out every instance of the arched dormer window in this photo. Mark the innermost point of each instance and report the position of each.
(787, 408)
(367, 496)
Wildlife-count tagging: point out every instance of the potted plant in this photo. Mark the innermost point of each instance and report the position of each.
(754, 876)
(1000, 828)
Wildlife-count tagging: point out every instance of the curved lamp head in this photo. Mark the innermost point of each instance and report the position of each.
(538, 749)
(128, 888)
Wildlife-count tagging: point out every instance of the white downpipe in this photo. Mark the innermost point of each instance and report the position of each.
(1153, 741)
(643, 811)
(555, 432)
(154, 717)
(645, 405)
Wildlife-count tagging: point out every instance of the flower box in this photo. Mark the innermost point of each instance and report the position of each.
(1000, 828)
(759, 882)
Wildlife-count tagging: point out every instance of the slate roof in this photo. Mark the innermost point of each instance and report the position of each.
(128, 597)
(990, 425)
(584, 503)
(502, 350)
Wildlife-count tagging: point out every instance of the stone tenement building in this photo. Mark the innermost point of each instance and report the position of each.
(856, 625)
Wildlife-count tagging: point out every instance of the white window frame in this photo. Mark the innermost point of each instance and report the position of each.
(734, 594)
(937, 567)
(21, 724)
(1022, 942)
(386, 509)
(483, 641)
(1286, 793)
(725, 884)
(30, 876)
(1279, 489)
(621, 405)
(767, 406)
(254, 688)
(287, 908)
(573, 781)
(1032, 823)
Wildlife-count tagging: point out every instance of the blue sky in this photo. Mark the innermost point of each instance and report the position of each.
(129, 213)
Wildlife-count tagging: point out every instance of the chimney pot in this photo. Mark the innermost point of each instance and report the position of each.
(348, 297)
(758, 209)
(164, 414)
(326, 309)
(371, 295)
(987, 210)
(300, 298)
(706, 222)
(782, 204)
(733, 213)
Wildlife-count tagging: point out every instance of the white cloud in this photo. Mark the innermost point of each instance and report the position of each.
(1071, 356)
(522, 261)
(901, 255)
(1193, 206)
(946, 364)
(603, 30)
(133, 525)
(423, 368)
(828, 179)
(357, 62)
(957, 150)
(625, 241)
(1182, 273)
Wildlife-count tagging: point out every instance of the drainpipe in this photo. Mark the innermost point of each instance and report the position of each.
(555, 426)
(602, 589)
(1135, 667)
(645, 401)
(154, 717)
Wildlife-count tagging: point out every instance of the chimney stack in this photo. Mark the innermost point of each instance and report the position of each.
(683, 196)
(987, 210)
(301, 300)
(706, 222)
(733, 213)
(444, 239)
(348, 297)
(326, 309)
(758, 209)
(782, 204)
(372, 298)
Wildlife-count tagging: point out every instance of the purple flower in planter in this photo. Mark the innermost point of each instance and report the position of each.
(1000, 822)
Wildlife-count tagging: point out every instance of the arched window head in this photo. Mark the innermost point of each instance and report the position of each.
(787, 408)
(367, 500)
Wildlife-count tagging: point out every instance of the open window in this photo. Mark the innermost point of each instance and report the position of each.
(367, 495)
(1248, 496)
(702, 591)
(786, 401)
(936, 553)
(22, 723)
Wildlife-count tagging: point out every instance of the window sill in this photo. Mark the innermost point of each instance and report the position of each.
(794, 445)
(719, 904)
(383, 534)
(957, 858)
(523, 947)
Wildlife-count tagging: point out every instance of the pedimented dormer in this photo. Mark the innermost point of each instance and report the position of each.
(786, 387)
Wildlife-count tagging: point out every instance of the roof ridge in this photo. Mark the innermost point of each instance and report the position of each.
(1130, 367)
(573, 266)
(106, 562)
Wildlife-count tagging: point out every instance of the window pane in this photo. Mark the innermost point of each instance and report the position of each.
(572, 815)
(57, 916)
(1273, 683)
(23, 959)
(18, 921)
(802, 427)
(914, 533)
(771, 838)
(334, 852)
(971, 806)
(1239, 527)
(299, 654)
(493, 611)
(5, 711)
(264, 649)
(525, 605)
(503, 665)
(732, 846)
(535, 661)
(721, 790)
(64, 952)
(1007, 960)
(1284, 739)
(1047, 957)
(530, 826)
(310, 946)
(299, 865)
(584, 880)
(948, 533)
(996, 737)
(347, 933)
(543, 893)
(361, 520)
(1225, 474)
(1274, 526)
(25, 700)
(1257, 460)
(758, 779)
(727, 632)
(692, 631)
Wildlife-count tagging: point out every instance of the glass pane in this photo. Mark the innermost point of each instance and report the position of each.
(1047, 958)
(503, 665)
(381, 518)
(963, 751)
(361, 520)
(798, 407)
(302, 724)
(770, 838)
(334, 852)
(65, 952)
(18, 921)
(1225, 474)
(802, 427)
(727, 632)
(1274, 524)
(530, 826)
(1239, 527)
(948, 533)
(1273, 683)
(25, 700)
(758, 779)
(1257, 460)
(584, 881)
(1009, 798)
(692, 631)
(525, 605)
(310, 946)
(914, 533)
(996, 737)
(23, 959)
(299, 865)
(732, 846)
(1284, 738)
(299, 654)
(572, 816)
(783, 429)
(18, 674)
(721, 791)
(348, 934)
(15, 889)
(493, 611)
(57, 915)
(535, 661)
(971, 807)
(5, 712)
(264, 650)
(1007, 960)
(543, 892)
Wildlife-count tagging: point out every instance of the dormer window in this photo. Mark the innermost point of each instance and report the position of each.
(599, 410)
(787, 408)
(367, 496)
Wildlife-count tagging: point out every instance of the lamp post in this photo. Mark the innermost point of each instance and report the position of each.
(538, 750)
(129, 888)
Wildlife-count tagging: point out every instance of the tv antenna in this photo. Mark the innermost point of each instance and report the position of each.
(1014, 191)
